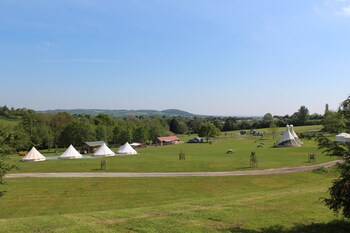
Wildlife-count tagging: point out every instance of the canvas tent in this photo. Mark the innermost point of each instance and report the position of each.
(126, 149)
(295, 135)
(104, 151)
(342, 137)
(71, 153)
(287, 139)
(33, 156)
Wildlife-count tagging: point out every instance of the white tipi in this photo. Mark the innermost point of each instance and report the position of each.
(126, 149)
(295, 135)
(104, 151)
(33, 156)
(71, 153)
(287, 139)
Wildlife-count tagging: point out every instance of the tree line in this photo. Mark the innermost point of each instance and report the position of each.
(51, 130)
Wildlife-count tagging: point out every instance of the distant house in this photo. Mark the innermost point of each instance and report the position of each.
(168, 140)
(91, 147)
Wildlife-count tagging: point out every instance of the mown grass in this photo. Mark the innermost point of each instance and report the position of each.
(199, 157)
(272, 203)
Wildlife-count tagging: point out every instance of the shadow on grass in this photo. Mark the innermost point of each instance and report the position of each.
(331, 227)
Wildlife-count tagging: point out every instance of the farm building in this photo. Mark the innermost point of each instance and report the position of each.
(91, 147)
(168, 140)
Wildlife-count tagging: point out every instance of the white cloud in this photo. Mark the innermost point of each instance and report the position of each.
(46, 45)
(81, 61)
(340, 8)
(345, 11)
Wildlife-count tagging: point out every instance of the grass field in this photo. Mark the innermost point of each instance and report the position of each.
(288, 203)
(251, 204)
(8, 123)
(199, 157)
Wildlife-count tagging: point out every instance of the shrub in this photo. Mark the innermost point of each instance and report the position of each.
(22, 153)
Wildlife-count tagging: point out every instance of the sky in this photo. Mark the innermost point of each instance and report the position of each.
(211, 57)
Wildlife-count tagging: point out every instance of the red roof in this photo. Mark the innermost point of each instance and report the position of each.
(168, 138)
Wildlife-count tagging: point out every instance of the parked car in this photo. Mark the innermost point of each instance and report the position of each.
(195, 140)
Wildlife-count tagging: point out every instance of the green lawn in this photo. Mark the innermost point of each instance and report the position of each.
(199, 157)
(251, 204)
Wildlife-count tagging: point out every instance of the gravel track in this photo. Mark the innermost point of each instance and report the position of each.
(174, 174)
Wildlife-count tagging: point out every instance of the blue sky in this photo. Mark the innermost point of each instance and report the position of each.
(217, 57)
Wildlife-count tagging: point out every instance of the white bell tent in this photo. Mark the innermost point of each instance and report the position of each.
(342, 137)
(71, 153)
(33, 156)
(126, 149)
(287, 139)
(104, 151)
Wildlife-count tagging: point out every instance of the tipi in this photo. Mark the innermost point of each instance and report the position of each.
(295, 135)
(126, 149)
(104, 151)
(71, 153)
(287, 139)
(33, 156)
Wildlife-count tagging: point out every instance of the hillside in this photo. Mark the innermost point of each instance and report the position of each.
(125, 113)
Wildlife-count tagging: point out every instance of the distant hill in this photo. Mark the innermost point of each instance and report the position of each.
(125, 113)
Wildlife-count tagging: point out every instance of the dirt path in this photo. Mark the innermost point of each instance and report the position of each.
(175, 174)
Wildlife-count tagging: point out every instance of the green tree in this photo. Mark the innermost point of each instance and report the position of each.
(326, 110)
(334, 122)
(5, 167)
(156, 128)
(208, 131)
(339, 200)
(103, 133)
(273, 129)
(18, 140)
(194, 124)
(122, 133)
(218, 124)
(141, 134)
(174, 126)
(77, 133)
(303, 115)
(267, 119)
(36, 125)
(58, 122)
(5, 149)
(104, 119)
(345, 110)
(230, 124)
